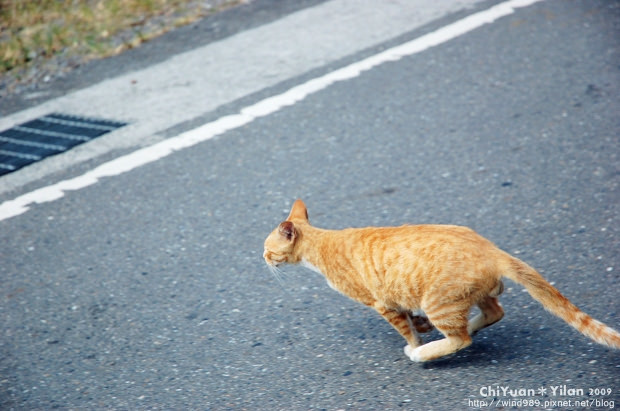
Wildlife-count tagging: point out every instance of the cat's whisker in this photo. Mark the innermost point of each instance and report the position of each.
(277, 273)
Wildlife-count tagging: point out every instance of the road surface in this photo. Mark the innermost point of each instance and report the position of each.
(144, 288)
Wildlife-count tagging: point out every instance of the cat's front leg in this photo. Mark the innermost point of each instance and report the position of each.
(402, 322)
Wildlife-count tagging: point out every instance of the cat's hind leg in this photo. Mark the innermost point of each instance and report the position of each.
(490, 311)
(421, 323)
(451, 321)
(435, 349)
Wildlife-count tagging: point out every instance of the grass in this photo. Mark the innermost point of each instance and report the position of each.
(40, 29)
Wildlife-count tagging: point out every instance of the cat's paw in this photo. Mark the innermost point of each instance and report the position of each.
(413, 353)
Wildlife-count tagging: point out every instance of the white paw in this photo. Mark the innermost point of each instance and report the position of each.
(413, 353)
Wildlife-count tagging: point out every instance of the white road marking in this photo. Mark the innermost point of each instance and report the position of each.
(263, 108)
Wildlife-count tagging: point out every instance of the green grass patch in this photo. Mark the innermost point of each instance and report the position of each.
(35, 29)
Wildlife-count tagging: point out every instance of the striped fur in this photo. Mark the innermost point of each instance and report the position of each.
(442, 270)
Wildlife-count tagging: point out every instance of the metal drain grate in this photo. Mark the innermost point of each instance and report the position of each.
(48, 135)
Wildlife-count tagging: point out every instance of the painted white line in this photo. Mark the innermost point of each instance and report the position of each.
(263, 108)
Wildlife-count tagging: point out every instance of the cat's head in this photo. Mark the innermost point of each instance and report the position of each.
(280, 244)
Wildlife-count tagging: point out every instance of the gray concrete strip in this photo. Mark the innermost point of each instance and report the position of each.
(198, 81)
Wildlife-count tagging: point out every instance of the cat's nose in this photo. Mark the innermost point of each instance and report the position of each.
(267, 256)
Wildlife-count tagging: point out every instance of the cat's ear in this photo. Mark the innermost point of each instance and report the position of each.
(287, 230)
(298, 211)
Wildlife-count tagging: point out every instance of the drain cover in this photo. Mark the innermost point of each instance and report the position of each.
(48, 135)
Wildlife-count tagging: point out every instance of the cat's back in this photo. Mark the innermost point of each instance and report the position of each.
(436, 236)
(417, 231)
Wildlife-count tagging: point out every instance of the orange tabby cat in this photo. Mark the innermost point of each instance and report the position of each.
(442, 270)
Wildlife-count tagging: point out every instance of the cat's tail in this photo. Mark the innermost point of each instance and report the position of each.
(559, 305)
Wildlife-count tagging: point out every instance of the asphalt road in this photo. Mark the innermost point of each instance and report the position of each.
(147, 290)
